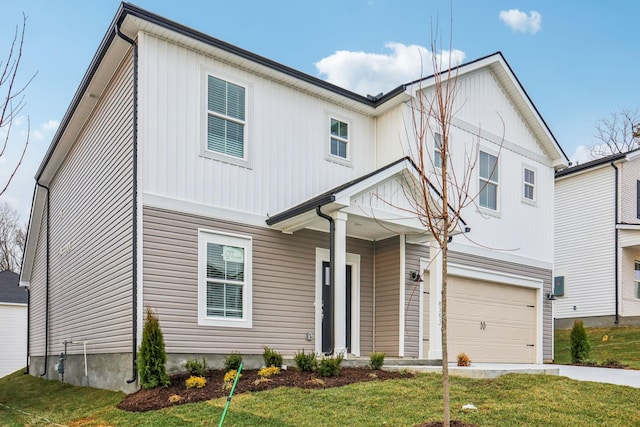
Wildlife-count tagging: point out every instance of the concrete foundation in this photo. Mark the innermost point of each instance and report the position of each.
(598, 322)
(108, 371)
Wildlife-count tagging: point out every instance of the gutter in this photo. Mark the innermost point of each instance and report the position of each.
(616, 262)
(46, 300)
(134, 255)
(332, 270)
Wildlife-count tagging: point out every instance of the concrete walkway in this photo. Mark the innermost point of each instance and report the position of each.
(625, 377)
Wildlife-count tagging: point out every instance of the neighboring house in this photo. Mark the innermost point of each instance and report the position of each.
(13, 323)
(212, 202)
(597, 242)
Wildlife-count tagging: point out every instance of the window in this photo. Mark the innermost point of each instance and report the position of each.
(226, 118)
(488, 181)
(636, 280)
(437, 150)
(529, 182)
(339, 138)
(224, 294)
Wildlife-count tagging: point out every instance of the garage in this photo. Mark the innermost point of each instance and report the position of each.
(491, 322)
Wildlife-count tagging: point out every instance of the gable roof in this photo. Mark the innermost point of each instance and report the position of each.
(597, 162)
(10, 292)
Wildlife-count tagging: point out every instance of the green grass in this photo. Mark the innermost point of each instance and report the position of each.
(622, 344)
(511, 400)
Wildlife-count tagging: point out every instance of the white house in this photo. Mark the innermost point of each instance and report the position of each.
(13, 323)
(597, 242)
(216, 201)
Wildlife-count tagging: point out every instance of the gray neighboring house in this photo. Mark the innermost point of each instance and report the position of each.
(13, 323)
(217, 199)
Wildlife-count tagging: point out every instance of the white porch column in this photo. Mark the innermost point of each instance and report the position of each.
(435, 302)
(340, 285)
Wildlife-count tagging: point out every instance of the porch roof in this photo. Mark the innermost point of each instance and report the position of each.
(376, 203)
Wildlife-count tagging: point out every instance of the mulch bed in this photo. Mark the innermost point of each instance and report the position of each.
(177, 394)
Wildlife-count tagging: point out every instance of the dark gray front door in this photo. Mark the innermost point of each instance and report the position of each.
(327, 311)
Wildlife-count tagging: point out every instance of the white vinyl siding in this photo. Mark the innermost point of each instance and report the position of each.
(224, 280)
(488, 181)
(226, 134)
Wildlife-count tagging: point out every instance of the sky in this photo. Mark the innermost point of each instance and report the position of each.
(579, 61)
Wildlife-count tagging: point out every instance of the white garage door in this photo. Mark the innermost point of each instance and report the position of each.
(491, 322)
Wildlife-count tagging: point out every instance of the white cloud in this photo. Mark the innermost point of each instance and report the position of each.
(372, 73)
(582, 155)
(45, 130)
(520, 21)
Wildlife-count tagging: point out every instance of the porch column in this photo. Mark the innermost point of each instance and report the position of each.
(340, 285)
(435, 302)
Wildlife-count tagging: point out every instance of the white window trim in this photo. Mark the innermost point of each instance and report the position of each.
(327, 139)
(439, 151)
(534, 201)
(245, 242)
(210, 154)
(482, 209)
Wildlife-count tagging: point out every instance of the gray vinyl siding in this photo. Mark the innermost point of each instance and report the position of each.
(387, 296)
(90, 234)
(37, 292)
(413, 253)
(521, 270)
(283, 285)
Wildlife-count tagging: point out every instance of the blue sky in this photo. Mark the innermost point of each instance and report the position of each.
(578, 60)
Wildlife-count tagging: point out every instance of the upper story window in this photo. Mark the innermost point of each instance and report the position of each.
(224, 282)
(339, 139)
(437, 150)
(226, 118)
(488, 181)
(529, 184)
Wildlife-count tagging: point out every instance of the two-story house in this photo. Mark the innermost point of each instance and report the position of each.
(250, 204)
(597, 242)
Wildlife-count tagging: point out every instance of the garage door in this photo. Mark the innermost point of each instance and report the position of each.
(491, 322)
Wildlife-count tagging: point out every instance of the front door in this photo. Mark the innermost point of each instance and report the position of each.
(327, 304)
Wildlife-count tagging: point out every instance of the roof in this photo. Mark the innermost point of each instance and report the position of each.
(594, 163)
(10, 292)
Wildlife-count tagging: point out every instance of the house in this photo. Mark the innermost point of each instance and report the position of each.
(13, 323)
(597, 242)
(225, 194)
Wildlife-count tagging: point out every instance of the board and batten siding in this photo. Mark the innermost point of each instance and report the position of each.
(584, 243)
(287, 131)
(13, 337)
(283, 306)
(413, 254)
(629, 177)
(90, 232)
(387, 296)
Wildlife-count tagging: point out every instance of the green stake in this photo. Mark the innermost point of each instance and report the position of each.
(235, 381)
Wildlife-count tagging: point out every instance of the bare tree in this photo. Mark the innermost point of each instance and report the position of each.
(12, 239)
(12, 101)
(432, 111)
(618, 133)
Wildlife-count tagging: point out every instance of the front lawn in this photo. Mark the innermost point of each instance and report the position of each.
(621, 344)
(531, 400)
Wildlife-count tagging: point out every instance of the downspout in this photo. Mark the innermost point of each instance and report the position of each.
(46, 298)
(616, 240)
(332, 271)
(26, 371)
(134, 303)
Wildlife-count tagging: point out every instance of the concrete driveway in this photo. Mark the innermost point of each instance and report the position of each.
(601, 375)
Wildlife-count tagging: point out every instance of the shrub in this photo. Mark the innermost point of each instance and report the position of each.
(306, 362)
(463, 360)
(152, 356)
(580, 346)
(376, 361)
(175, 398)
(195, 368)
(229, 377)
(330, 366)
(195, 382)
(268, 372)
(232, 362)
(271, 358)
